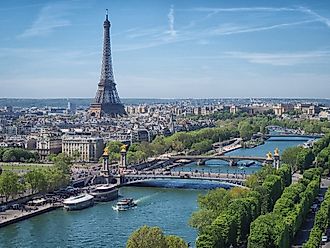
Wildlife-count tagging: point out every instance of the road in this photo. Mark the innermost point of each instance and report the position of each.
(303, 234)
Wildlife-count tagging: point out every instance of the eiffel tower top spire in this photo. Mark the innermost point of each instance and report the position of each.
(106, 70)
(107, 101)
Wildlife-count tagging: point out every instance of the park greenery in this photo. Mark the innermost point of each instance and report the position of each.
(321, 223)
(268, 118)
(17, 155)
(277, 228)
(10, 185)
(153, 237)
(224, 217)
(38, 180)
(300, 158)
(200, 141)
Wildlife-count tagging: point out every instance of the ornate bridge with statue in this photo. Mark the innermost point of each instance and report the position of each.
(123, 175)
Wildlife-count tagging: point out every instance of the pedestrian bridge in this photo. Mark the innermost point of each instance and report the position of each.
(235, 180)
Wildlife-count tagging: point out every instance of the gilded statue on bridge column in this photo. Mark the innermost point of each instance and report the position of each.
(269, 156)
(123, 148)
(106, 151)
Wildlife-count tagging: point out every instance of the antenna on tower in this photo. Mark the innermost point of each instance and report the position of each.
(106, 13)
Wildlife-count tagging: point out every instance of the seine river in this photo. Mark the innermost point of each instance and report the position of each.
(101, 226)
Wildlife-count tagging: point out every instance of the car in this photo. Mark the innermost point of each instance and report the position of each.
(3, 208)
(314, 208)
(16, 206)
(324, 239)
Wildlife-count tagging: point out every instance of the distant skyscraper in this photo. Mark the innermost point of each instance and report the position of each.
(106, 102)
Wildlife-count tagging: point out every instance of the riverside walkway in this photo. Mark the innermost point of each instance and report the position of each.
(12, 216)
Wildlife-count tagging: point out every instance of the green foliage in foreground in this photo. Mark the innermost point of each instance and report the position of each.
(232, 224)
(153, 237)
(213, 204)
(277, 229)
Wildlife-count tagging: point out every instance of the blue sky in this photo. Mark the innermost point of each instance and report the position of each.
(167, 49)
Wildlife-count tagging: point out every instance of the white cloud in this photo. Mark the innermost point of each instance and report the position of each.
(320, 18)
(171, 19)
(50, 18)
(229, 29)
(282, 59)
(305, 10)
(156, 37)
(217, 10)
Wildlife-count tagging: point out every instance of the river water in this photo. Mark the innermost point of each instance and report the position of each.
(101, 226)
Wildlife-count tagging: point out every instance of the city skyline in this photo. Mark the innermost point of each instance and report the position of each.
(166, 49)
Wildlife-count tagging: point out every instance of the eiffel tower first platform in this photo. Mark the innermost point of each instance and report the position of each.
(107, 101)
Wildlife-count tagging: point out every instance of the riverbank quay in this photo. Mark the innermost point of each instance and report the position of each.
(12, 216)
(229, 149)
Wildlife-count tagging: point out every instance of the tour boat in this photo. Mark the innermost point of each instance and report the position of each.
(78, 202)
(105, 192)
(125, 204)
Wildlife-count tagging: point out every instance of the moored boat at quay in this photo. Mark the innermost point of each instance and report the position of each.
(105, 192)
(78, 202)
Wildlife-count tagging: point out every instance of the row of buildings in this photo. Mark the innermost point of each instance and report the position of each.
(70, 130)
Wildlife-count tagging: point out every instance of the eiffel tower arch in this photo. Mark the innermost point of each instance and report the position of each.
(106, 101)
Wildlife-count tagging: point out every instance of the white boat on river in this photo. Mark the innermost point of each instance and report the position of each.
(124, 204)
(105, 193)
(78, 202)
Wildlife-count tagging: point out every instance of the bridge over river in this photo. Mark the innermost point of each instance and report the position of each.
(283, 137)
(235, 179)
(232, 160)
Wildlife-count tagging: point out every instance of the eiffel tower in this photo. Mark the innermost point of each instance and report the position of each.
(107, 101)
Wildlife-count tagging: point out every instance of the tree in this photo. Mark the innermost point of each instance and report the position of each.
(290, 155)
(175, 242)
(56, 179)
(305, 159)
(213, 204)
(36, 179)
(202, 218)
(245, 130)
(18, 155)
(114, 146)
(147, 237)
(9, 184)
(63, 163)
(202, 146)
(9, 156)
(114, 150)
(76, 154)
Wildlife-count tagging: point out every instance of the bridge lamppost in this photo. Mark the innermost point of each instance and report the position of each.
(277, 158)
(105, 163)
(123, 152)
